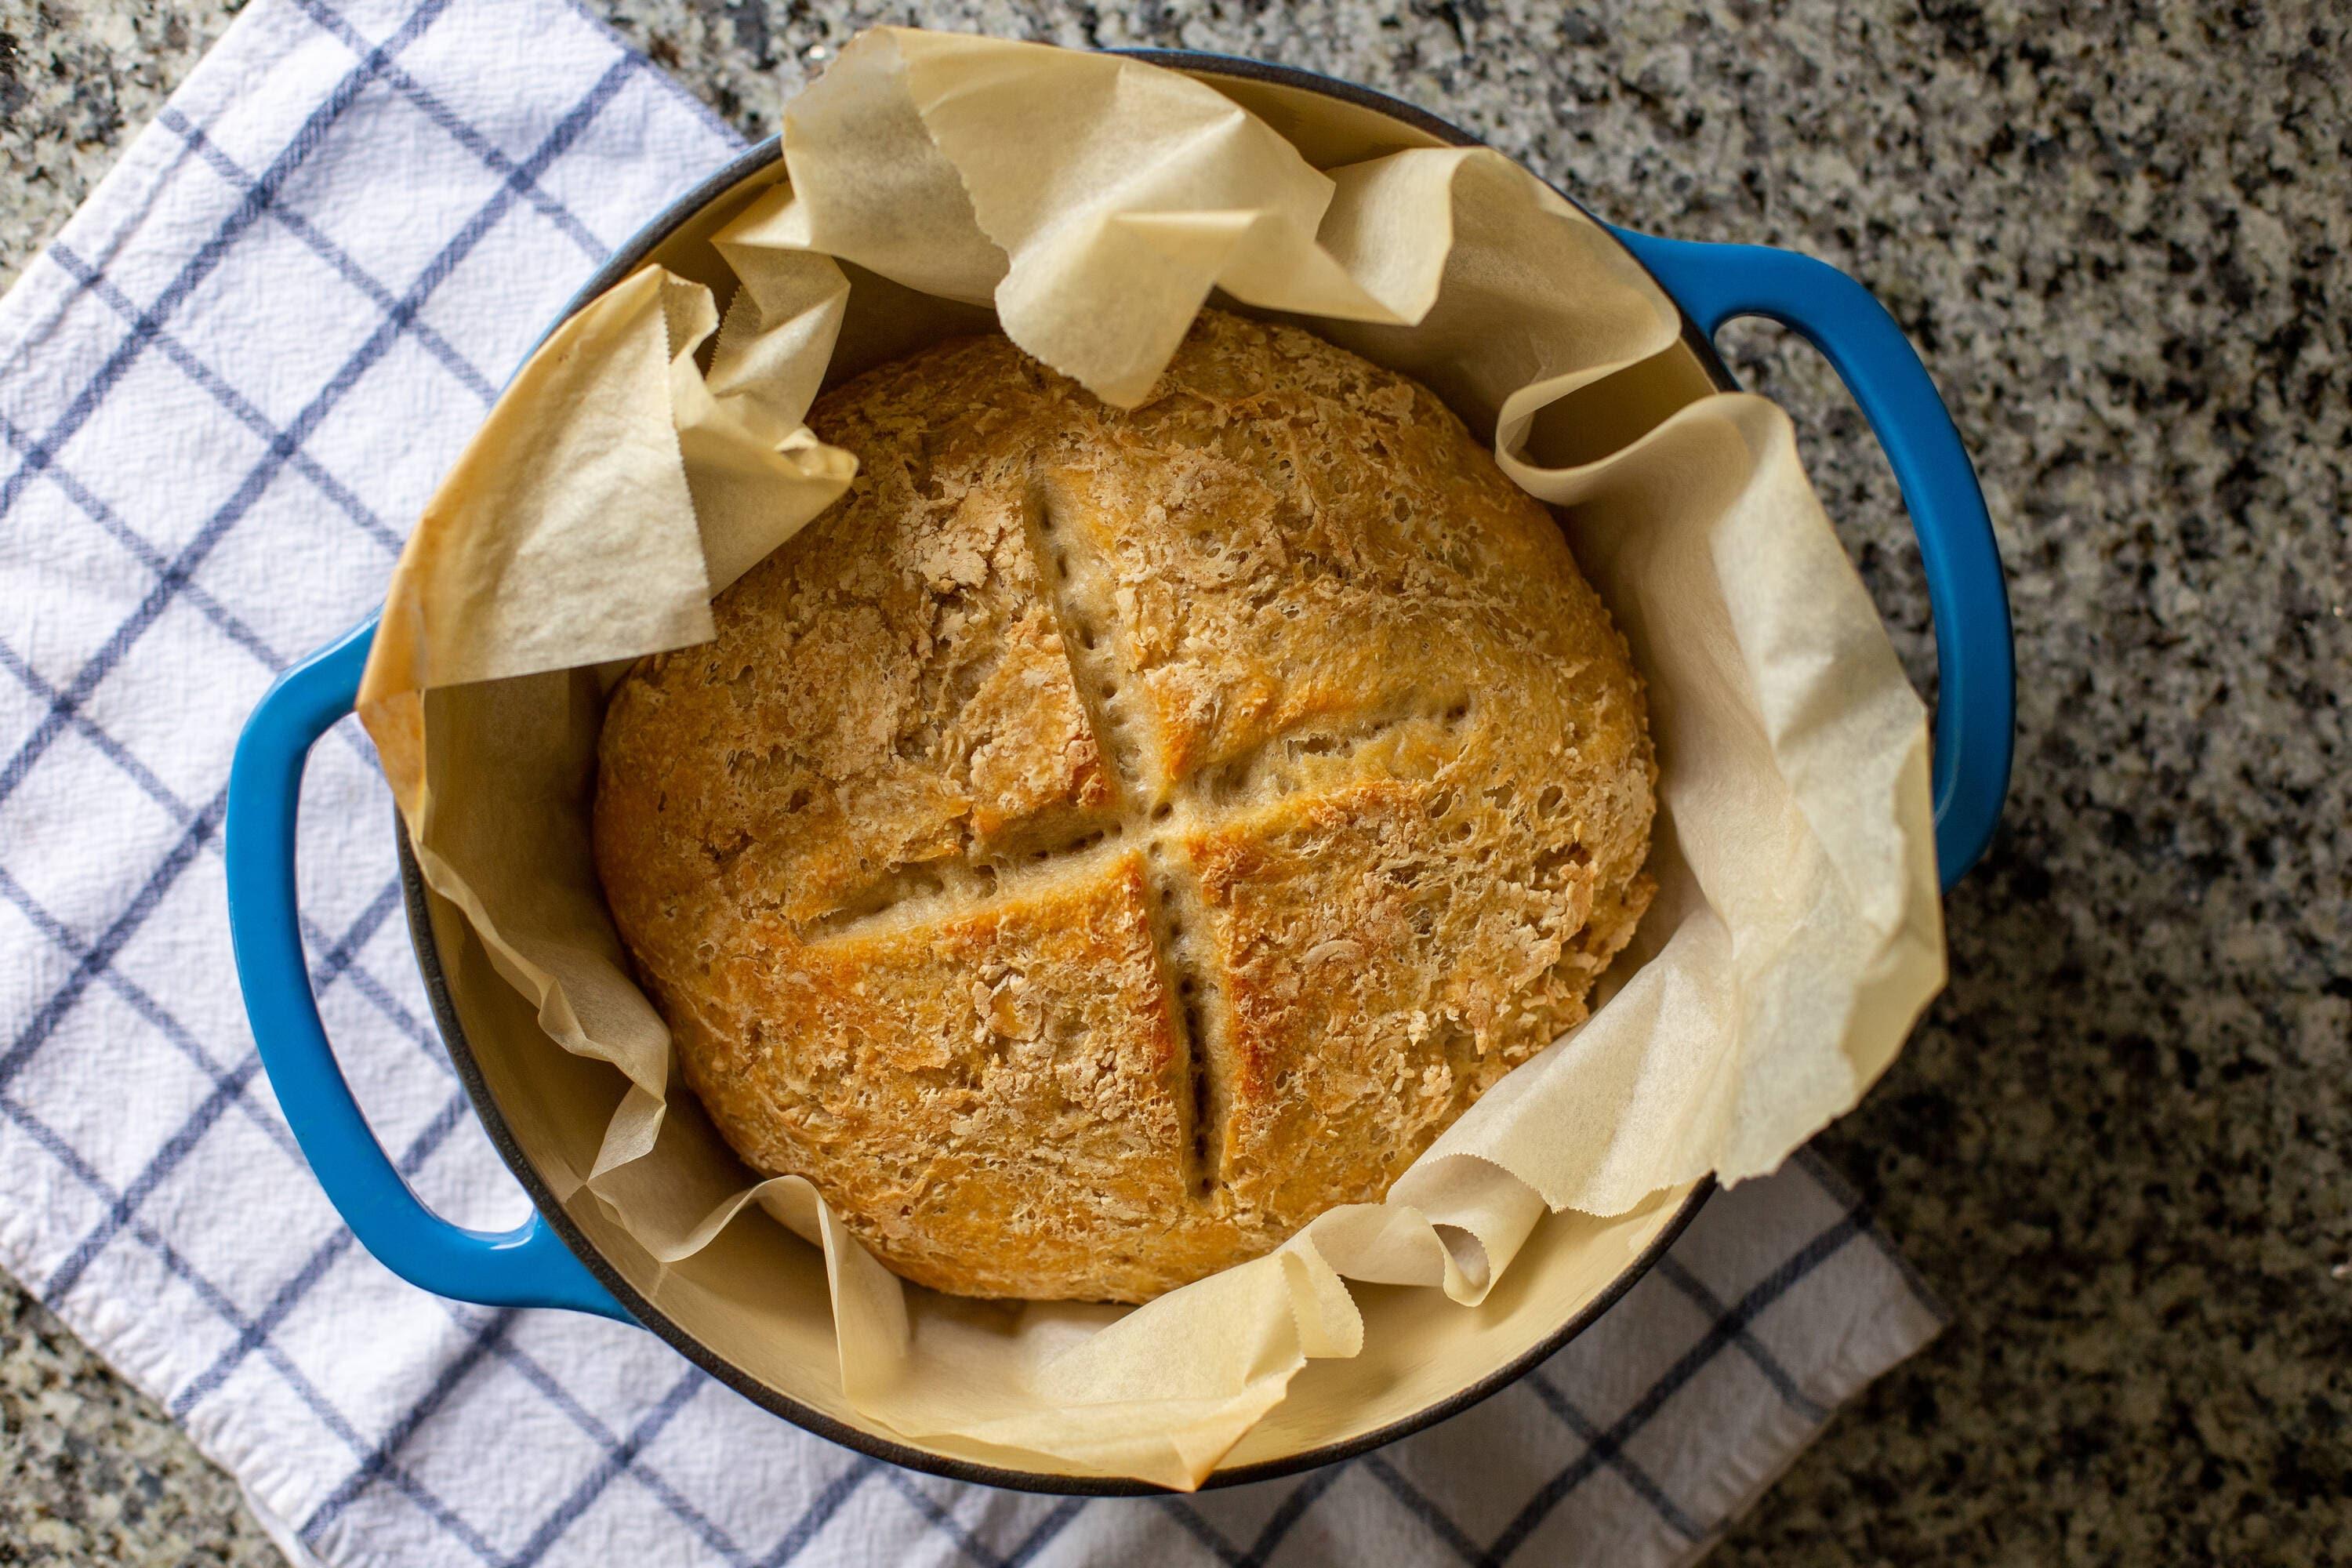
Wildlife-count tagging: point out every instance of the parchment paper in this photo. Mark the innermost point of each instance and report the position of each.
(1092, 204)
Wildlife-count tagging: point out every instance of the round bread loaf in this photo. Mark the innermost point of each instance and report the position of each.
(1104, 841)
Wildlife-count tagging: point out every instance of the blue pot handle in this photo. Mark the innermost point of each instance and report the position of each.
(527, 1267)
(1976, 705)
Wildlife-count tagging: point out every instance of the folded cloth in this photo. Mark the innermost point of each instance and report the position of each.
(224, 391)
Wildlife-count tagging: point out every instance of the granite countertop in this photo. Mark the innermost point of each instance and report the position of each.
(2122, 236)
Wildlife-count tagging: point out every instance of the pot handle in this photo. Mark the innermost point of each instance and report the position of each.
(527, 1267)
(1976, 704)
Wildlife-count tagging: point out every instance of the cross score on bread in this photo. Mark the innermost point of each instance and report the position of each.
(1106, 841)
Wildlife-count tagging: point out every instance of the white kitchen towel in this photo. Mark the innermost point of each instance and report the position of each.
(224, 391)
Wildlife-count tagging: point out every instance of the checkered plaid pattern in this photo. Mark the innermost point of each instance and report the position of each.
(224, 393)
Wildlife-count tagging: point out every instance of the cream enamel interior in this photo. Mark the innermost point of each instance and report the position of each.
(757, 1299)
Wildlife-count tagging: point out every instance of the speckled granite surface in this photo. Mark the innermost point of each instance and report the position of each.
(2123, 237)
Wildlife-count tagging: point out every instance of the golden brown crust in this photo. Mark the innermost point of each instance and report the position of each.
(1106, 840)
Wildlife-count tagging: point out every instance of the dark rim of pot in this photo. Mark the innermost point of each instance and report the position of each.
(624, 261)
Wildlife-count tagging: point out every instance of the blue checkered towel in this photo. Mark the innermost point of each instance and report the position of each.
(224, 393)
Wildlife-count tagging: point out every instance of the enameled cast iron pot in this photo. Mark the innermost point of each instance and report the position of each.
(755, 1323)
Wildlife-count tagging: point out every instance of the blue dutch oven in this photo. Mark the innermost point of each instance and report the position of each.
(562, 1258)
